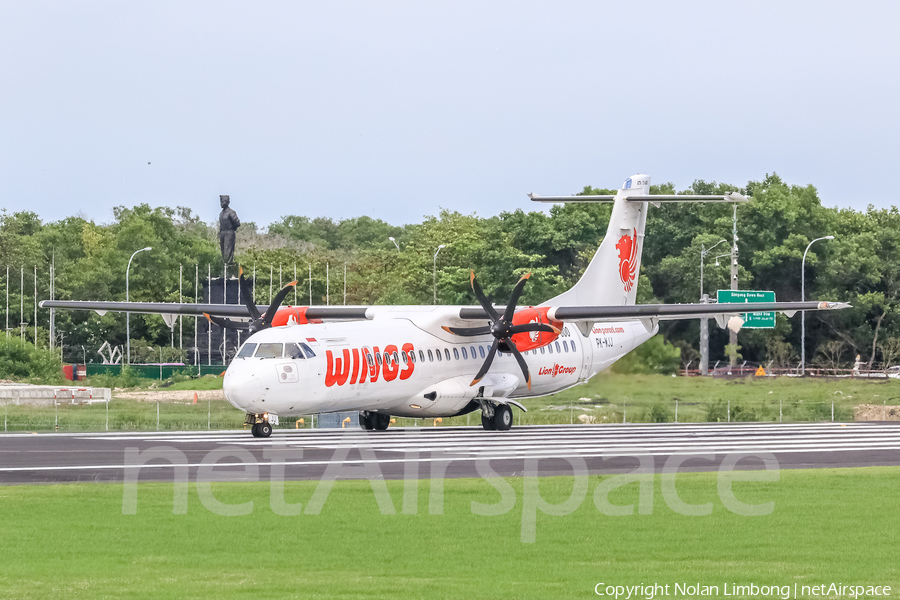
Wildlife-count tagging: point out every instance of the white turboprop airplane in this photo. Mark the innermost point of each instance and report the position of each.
(444, 361)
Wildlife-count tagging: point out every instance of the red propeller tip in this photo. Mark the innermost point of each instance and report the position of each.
(293, 283)
(447, 329)
(207, 317)
(474, 382)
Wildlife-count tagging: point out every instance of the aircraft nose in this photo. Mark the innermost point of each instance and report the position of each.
(242, 388)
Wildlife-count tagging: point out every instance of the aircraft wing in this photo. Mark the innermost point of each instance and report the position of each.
(197, 310)
(665, 311)
(594, 314)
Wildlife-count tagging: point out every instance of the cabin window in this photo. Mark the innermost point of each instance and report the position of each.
(247, 351)
(269, 350)
(481, 351)
(456, 354)
(465, 355)
(557, 347)
(573, 345)
(550, 348)
(447, 354)
(308, 351)
(421, 356)
(405, 358)
(378, 358)
(369, 358)
(397, 358)
(474, 355)
(439, 357)
(542, 349)
(430, 357)
(293, 351)
(565, 346)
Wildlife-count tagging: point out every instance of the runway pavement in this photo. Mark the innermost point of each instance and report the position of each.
(443, 451)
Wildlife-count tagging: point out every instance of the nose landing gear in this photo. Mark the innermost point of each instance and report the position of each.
(260, 425)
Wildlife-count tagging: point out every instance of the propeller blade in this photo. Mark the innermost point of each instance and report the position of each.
(247, 297)
(276, 302)
(521, 361)
(468, 331)
(533, 327)
(226, 323)
(487, 362)
(514, 297)
(482, 299)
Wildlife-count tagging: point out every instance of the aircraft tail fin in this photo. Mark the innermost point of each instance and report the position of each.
(611, 277)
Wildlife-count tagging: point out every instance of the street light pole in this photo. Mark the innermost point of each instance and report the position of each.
(434, 273)
(127, 299)
(803, 299)
(395, 243)
(732, 335)
(704, 252)
(704, 322)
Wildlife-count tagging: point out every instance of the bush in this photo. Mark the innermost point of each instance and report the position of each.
(653, 356)
(716, 412)
(20, 360)
(659, 414)
(126, 378)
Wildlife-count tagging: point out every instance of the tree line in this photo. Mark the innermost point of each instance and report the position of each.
(89, 259)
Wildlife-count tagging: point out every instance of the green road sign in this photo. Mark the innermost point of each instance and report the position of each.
(765, 320)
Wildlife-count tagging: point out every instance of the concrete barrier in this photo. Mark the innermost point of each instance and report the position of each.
(46, 395)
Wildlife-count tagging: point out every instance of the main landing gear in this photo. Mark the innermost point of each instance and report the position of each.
(496, 416)
(260, 426)
(374, 421)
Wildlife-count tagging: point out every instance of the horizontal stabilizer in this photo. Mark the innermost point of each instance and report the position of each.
(731, 197)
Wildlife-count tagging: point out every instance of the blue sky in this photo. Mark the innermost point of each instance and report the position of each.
(396, 109)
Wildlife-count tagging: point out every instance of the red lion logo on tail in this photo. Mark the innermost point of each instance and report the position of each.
(627, 248)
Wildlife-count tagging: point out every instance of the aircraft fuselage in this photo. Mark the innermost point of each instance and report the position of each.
(395, 366)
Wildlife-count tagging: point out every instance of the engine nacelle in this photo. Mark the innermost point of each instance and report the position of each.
(534, 339)
(286, 313)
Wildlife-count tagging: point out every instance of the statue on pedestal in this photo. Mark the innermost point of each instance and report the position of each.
(228, 224)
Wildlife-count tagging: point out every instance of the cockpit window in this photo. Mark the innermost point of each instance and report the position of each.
(293, 351)
(247, 351)
(308, 351)
(269, 351)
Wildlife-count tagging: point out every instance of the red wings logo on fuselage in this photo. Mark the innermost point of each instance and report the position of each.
(627, 248)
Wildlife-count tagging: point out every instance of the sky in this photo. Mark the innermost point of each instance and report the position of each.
(399, 109)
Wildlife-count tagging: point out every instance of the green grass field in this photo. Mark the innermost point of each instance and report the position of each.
(74, 541)
(607, 398)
